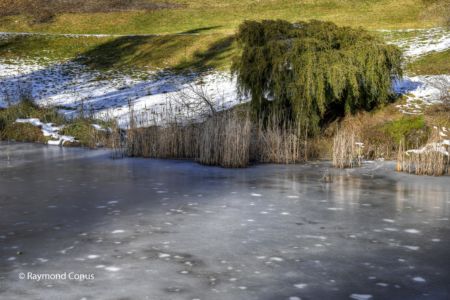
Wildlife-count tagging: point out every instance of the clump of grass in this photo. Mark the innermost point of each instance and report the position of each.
(435, 63)
(81, 128)
(413, 129)
(26, 108)
(22, 133)
(86, 134)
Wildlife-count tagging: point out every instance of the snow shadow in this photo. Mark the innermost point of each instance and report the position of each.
(94, 81)
(406, 85)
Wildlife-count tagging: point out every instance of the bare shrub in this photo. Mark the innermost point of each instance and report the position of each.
(196, 100)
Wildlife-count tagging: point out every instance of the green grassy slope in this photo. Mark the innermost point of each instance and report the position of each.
(431, 64)
(207, 28)
(224, 16)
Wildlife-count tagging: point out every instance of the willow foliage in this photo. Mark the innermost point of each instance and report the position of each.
(313, 70)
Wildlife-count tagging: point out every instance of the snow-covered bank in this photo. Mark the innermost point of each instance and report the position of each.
(72, 86)
(155, 95)
(423, 42)
(421, 91)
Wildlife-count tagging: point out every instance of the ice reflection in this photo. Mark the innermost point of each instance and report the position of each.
(431, 200)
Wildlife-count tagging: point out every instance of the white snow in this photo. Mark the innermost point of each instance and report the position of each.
(420, 42)
(112, 269)
(439, 147)
(360, 296)
(421, 91)
(413, 248)
(153, 96)
(390, 229)
(278, 259)
(419, 279)
(413, 231)
(389, 220)
(98, 127)
(49, 130)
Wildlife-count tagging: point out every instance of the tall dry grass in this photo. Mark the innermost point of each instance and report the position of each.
(347, 152)
(225, 140)
(279, 141)
(221, 140)
(432, 159)
(229, 139)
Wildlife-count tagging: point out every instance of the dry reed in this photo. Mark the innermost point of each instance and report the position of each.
(228, 138)
(431, 160)
(347, 153)
(277, 143)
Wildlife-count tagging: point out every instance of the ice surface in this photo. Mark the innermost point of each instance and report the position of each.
(200, 249)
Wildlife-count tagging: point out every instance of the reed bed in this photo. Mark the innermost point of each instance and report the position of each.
(173, 141)
(347, 152)
(222, 139)
(279, 142)
(231, 139)
(225, 140)
(432, 159)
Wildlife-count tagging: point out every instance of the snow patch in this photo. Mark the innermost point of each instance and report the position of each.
(361, 296)
(419, 279)
(420, 91)
(49, 130)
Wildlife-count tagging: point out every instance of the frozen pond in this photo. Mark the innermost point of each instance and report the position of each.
(158, 229)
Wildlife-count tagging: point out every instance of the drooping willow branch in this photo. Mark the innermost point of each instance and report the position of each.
(313, 70)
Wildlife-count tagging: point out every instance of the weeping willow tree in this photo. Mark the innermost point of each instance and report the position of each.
(313, 71)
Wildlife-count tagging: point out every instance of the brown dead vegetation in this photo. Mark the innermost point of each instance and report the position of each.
(44, 11)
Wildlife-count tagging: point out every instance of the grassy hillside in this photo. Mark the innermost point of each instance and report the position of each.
(224, 16)
(196, 33)
(431, 64)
